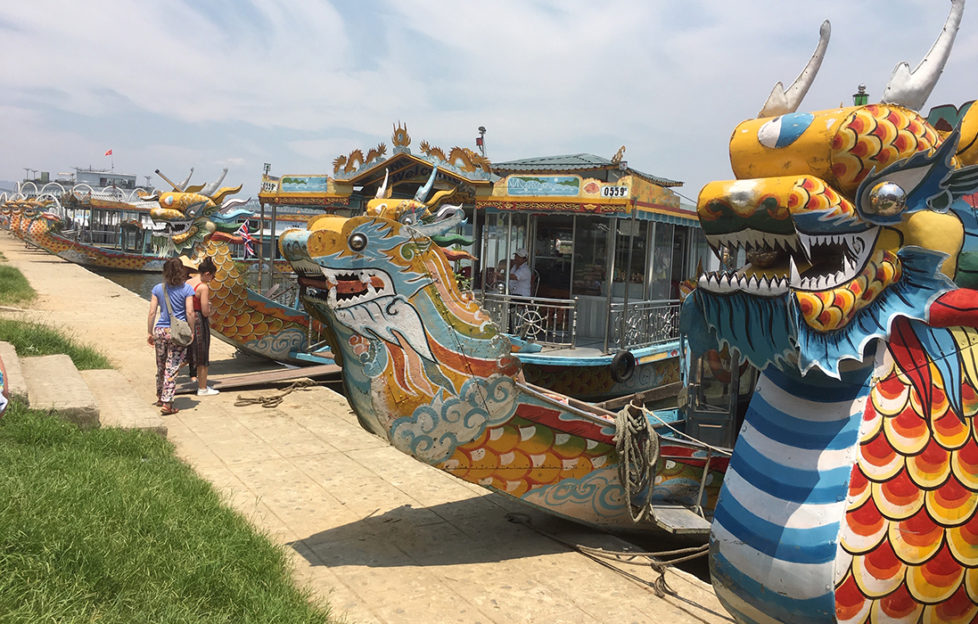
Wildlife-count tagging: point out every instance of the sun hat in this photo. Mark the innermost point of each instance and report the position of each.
(188, 263)
(521, 252)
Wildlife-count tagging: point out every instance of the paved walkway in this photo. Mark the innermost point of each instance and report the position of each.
(382, 537)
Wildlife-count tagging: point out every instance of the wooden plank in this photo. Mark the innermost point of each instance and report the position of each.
(680, 520)
(655, 394)
(262, 378)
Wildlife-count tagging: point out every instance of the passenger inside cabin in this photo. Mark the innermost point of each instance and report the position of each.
(520, 274)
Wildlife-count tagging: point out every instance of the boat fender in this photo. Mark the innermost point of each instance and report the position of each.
(622, 366)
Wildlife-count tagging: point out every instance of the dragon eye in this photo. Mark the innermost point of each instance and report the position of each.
(357, 241)
(407, 219)
(886, 199)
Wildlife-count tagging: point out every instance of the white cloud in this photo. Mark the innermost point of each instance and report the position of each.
(172, 84)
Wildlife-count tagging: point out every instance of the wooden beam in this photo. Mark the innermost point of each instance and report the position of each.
(655, 394)
(262, 378)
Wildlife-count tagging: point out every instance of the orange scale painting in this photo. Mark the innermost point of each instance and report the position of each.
(907, 432)
(850, 603)
(916, 539)
(963, 542)
(952, 503)
(898, 606)
(958, 609)
(878, 572)
(878, 460)
(931, 467)
(964, 464)
(859, 490)
(949, 431)
(890, 396)
(937, 580)
(864, 528)
(898, 498)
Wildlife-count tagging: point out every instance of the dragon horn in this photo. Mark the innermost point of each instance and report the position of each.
(171, 183)
(422, 193)
(186, 181)
(210, 188)
(781, 102)
(912, 88)
(383, 187)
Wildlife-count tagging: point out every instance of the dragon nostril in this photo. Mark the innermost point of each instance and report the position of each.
(357, 241)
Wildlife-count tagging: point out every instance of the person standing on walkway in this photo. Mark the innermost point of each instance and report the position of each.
(169, 355)
(198, 355)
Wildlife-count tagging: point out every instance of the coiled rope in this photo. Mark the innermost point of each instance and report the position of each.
(638, 453)
(273, 400)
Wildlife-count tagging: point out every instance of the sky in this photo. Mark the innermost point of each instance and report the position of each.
(208, 84)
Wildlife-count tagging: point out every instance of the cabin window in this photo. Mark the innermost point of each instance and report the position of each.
(662, 286)
(553, 255)
(503, 235)
(631, 250)
(590, 255)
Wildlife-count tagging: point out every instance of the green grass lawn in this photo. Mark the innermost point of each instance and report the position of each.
(14, 288)
(107, 525)
(31, 339)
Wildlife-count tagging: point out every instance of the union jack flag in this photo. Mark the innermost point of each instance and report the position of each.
(246, 239)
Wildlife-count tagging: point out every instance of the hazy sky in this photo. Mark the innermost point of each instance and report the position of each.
(171, 84)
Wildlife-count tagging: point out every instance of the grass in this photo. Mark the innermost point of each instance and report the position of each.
(14, 288)
(30, 339)
(108, 526)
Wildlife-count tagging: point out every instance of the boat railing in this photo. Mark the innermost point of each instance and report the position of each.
(547, 322)
(638, 324)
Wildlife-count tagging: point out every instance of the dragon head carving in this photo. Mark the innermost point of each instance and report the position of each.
(404, 331)
(839, 222)
(195, 214)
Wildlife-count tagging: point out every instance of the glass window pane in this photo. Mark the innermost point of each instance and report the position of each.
(662, 286)
(630, 266)
(590, 255)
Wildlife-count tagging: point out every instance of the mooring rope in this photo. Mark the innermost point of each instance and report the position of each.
(638, 453)
(273, 400)
(608, 558)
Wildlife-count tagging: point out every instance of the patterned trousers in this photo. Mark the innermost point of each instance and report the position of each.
(169, 357)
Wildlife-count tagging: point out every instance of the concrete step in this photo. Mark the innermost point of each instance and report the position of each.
(15, 382)
(53, 383)
(119, 405)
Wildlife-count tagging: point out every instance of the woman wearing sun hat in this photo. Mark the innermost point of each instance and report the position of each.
(198, 356)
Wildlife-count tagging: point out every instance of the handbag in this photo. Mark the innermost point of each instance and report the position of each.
(180, 332)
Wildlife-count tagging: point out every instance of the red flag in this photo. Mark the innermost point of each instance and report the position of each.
(108, 152)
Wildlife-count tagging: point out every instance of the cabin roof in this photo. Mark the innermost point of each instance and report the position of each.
(571, 163)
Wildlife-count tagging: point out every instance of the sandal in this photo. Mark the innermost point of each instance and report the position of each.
(158, 403)
(168, 409)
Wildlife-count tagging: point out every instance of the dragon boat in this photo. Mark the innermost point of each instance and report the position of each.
(111, 228)
(852, 492)
(201, 221)
(426, 368)
(607, 245)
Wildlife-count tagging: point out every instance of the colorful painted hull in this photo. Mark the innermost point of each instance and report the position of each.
(425, 369)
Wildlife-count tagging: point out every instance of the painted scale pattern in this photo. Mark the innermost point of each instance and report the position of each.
(248, 320)
(909, 540)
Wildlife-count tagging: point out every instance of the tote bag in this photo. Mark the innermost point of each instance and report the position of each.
(180, 332)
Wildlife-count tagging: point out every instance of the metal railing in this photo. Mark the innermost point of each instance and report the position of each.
(547, 322)
(641, 324)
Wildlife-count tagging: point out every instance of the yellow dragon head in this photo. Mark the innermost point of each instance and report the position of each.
(839, 220)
